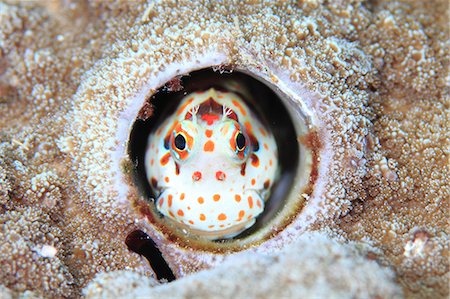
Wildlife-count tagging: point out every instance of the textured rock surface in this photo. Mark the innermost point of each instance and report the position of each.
(334, 271)
(73, 74)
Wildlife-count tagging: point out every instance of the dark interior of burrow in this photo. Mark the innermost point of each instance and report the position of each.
(266, 104)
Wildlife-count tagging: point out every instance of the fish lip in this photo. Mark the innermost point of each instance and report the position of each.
(161, 190)
(258, 192)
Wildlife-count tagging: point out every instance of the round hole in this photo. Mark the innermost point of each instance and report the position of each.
(273, 108)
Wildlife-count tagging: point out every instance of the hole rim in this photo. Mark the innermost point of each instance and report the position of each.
(294, 203)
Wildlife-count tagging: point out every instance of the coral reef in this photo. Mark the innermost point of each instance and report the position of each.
(302, 279)
(370, 74)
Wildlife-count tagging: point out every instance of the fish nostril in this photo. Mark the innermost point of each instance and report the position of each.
(220, 176)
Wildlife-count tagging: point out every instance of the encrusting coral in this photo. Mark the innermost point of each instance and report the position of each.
(302, 279)
(370, 74)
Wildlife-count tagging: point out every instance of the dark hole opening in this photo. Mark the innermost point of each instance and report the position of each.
(266, 103)
(140, 243)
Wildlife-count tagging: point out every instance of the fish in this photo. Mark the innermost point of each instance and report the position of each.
(211, 164)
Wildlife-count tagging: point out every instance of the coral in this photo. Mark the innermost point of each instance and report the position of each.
(339, 264)
(120, 284)
(32, 247)
(370, 76)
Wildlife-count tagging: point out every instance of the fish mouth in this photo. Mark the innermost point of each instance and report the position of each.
(160, 190)
(209, 214)
(261, 193)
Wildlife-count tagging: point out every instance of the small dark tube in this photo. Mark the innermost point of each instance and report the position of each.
(140, 243)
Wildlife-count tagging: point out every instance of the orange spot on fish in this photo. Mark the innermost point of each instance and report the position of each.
(171, 214)
(154, 182)
(250, 202)
(253, 140)
(181, 196)
(188, 102)
(180, 213)
(210, 118)
(243, 168)
(169, 203)
(202, 217)
(209, 146)
(191, 222)
(196, 176)
(239, 106)
(253, 182)
(258, 203)
(216, 197)
(270, 162)
(237, 198)
(241, 214)
(222, 217)
(232, 115)
(188, 115)
(208, 133)
(248, 126)
(255, 160)
(263, 132)
(161, 201)
(200, 200)
(165, 159)
(166, 179)
(220, 176)
(266, 146)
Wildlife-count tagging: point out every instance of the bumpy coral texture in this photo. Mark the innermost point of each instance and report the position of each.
(302, 279)
(69, 69)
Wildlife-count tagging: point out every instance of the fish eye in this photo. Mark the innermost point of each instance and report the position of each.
(180, 142)
(240, 141)
(239, 144)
